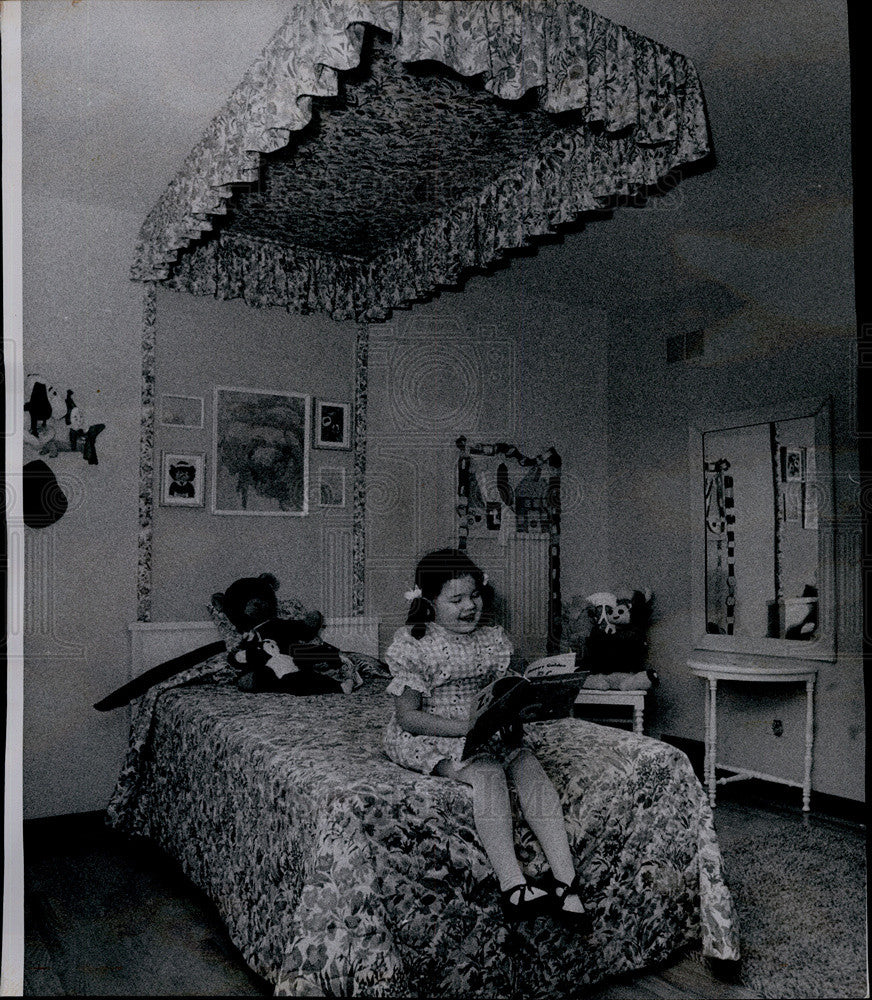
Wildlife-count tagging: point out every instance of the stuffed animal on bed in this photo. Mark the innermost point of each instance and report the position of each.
(612, 642)
(253, 599)
(280, 658)
(246, 604)
(251, 602)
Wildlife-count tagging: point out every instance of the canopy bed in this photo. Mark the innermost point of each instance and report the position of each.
(375, 152)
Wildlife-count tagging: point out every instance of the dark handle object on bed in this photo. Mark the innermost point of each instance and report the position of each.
(163, 671)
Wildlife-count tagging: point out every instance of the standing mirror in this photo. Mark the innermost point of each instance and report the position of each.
(762, 532)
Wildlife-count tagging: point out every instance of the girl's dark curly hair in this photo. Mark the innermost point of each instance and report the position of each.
(431, 574)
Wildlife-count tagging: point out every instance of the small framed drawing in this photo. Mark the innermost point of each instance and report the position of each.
(792, 503)
(182, 479)
(791, 465)
(332, 425)
(181, 411)
(331, 487)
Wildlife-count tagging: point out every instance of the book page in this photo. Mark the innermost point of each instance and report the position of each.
(548, 666)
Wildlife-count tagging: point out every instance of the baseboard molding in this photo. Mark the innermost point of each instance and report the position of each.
(759, 792)
(47, 832)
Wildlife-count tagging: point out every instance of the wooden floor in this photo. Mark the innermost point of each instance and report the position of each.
(104, 917)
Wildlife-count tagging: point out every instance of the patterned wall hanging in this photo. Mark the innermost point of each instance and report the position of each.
(502, 492)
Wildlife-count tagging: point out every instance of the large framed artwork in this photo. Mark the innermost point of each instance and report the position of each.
(260, 452)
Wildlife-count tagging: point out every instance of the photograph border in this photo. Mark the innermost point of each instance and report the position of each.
(195, 458)
(317, 442)
(178, 395)
(341, 471)
(215, 509)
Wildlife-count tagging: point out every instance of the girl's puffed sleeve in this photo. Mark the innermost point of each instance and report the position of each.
(502, 650)
(407, 665)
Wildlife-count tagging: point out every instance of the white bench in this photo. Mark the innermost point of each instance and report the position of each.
(629, 699)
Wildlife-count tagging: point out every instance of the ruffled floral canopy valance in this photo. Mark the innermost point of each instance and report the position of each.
(379, 149)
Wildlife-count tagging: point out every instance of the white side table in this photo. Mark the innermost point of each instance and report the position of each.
(716, 667)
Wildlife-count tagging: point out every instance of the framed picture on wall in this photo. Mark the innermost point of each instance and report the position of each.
(331, 487)
(182, 479)
(792, 465)
(332, 425)
(260, 463)
(181, 411)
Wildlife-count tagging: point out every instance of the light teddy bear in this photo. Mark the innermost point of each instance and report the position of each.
(608, 632)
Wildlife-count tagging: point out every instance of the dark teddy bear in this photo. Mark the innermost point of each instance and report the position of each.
(249, 604)
(618, 637)
(245, 604)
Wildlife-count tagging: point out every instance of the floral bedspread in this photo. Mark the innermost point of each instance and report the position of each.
(339, 873)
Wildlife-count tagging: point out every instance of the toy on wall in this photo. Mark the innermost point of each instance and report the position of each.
(609, 633)
(43, 406)
(84, 438)
(39, 407)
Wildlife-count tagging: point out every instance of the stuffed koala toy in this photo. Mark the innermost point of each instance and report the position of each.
(278, 639)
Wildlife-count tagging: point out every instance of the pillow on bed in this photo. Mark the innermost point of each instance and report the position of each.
(369, 667)
(285, 608)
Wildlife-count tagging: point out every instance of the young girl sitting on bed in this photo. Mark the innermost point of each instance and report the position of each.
(439, 661)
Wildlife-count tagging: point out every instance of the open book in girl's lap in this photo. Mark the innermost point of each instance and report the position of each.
(546, 690)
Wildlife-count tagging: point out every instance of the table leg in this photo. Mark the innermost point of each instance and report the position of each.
(708, 737)
(713, 739)
(809, 743)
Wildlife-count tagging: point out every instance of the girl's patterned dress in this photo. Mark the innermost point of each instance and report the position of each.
(448, 669)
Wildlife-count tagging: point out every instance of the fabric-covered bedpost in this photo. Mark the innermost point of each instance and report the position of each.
(358, 517)
(146, 455)
(555, 626)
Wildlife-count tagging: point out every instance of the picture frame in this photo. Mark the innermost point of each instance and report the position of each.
(331, 486)
(260, 452)
(809, 491)
(181, 411)
(791, 499)
(182, 479)
(792, 465)
(331, 425)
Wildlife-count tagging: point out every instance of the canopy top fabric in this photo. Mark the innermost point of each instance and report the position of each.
(379, 149)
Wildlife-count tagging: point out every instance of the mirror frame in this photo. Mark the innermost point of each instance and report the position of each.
(824, 647)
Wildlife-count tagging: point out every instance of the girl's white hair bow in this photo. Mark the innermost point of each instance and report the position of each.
(484, 579)
(413, 594)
